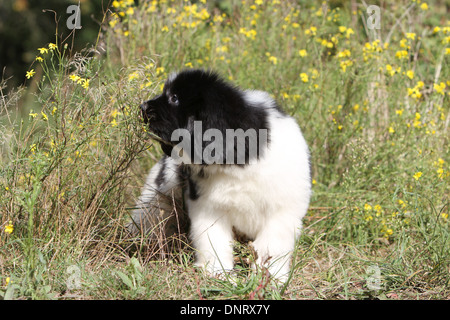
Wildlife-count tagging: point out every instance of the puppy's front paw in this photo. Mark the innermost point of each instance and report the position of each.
(214, 267)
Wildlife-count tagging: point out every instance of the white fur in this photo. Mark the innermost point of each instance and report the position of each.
(265, 200)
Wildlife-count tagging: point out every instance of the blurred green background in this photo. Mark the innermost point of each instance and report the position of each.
(26, 25)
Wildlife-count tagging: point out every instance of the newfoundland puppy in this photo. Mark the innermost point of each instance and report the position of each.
(235, 161)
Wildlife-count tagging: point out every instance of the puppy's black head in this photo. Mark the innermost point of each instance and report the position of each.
(202, 97)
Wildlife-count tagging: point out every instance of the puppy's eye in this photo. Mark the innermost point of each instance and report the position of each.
(174, 99)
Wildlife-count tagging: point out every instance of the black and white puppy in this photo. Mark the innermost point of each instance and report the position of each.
(239, 162)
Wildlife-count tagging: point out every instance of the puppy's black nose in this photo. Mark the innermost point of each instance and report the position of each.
(144, 108)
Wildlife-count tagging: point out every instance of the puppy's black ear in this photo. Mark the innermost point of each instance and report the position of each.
(225, 107)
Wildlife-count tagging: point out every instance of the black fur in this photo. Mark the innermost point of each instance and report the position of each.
(198, 95)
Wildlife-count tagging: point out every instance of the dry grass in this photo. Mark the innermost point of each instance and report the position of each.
(74, 154)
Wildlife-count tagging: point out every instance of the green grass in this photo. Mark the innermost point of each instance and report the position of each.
(73, 154)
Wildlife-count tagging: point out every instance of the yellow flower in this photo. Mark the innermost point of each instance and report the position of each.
(115, 113)
(249, 34)
(74, 78)
(304, 77)
(311, 31)
(52, 46)
(424, 6)
(444, 215)
(344, 64)
(417, 175)
(411, 35)
(130, 11)
(165, 29)
(439, 88)
(9, 228)
(349, 32)
(273, 59)
(43, 50)
(367, 207)
(44, 116)
(391, 130)
(30, 74)
(133, 76)
(39, 59)
(401, 54)
(85, 83)
(303, 53)
(410, 74)
(344, 53)
(33, 115)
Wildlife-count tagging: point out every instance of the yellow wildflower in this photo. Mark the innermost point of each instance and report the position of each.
(349, 32)
(439, 88)
(9, 228)
(346, 63)
(303, 53)
(424, 6)
(130, 11)
(30, 74)
(390, 70)
(411, 35)
(417, 175)
(85, 83)
(273, 59)
(52, 46)
(410, 74)
(344, 53)
(401, 54)
(74, 78)
(43, 50)
(311, 31)
(304, 77)
(133, 76)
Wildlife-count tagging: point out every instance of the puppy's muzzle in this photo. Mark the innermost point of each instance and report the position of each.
(145, 109)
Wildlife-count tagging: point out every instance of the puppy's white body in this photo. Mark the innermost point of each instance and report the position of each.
(264, 200)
